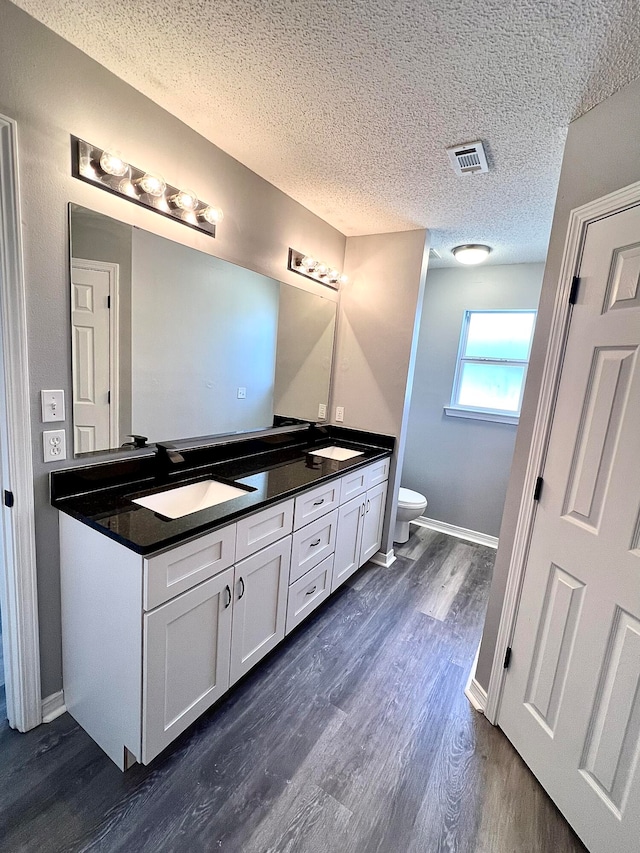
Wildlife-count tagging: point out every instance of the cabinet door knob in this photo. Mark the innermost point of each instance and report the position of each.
(317, 542)
(241, 582)
(227, 589)
(317, 503)
(312, 590)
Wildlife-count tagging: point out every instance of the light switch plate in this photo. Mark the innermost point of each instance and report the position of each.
(54, 444)
(242, 393)
(339, 414)
(322, 411)
(52, 406)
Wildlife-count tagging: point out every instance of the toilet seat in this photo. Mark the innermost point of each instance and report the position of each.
(408, 498)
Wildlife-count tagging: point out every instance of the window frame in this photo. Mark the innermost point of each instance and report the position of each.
(457, 409)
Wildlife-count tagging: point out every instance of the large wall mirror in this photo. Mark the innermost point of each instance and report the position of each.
(169, 342)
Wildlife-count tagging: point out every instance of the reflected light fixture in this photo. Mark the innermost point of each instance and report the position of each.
(108, 171)
(471, 253)
(309, 267)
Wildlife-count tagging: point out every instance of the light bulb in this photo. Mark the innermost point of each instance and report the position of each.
(343, 279)
(471, 253)
(321, 270)
(212, 215)
(151, 184)
(111, 164)
(308, 263)
(185, 200)
(334, 275)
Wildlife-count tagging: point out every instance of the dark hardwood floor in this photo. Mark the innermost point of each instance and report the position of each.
(353, 737)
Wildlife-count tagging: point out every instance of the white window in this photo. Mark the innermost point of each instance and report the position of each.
(492, 365)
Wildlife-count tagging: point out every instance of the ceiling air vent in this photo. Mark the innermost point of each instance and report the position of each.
(468, 159)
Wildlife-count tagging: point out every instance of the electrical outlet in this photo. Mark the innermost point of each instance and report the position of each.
(242, 393)
(322, 411)
(54, 443)
(52, 406)
(339, 414)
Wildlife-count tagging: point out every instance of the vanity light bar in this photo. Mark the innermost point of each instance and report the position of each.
(315, 270)
(110, 172)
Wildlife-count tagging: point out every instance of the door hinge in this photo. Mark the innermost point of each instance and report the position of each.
(109, 301)
(507, 658)
(575, 287)
(538, 489)
(8, 498)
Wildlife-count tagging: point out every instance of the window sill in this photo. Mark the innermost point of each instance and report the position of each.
(479, 415)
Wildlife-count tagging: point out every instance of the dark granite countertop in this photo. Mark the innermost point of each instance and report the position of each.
(101, 495)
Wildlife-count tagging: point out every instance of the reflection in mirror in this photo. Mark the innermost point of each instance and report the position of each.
(170, 343)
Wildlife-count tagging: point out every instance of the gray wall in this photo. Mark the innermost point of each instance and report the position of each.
(53, 90)
(602, 154)
(95, 238)
(377, 339)
(200, 329)
(461, 465)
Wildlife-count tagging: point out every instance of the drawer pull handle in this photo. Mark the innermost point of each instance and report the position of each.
(317, 503)
(368, 505)
(241, 582)
(312, 590)
(317, 542)
(227, 589)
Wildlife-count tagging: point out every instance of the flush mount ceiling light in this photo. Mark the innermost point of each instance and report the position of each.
(107, 170)
(309, 267)
(471, 253)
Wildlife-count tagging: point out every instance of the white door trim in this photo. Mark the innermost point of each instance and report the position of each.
(19, 586)
(579, 219)
(113, 271)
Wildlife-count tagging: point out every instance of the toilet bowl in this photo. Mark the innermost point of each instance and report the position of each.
(410, 505)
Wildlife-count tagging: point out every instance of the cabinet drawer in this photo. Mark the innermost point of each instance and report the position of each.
(311, 544)
(353, 485)
(308, 592)
(181, 568)
(377, 473)
(317, 502)
(263, 528)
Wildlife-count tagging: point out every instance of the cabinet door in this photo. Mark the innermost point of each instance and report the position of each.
(347, 553)
(260, 606)
(185, 660)
(373, 518)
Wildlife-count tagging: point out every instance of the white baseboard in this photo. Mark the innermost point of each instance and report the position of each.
(383, 558)
(53, 706)
(459, 532)
(476, 694)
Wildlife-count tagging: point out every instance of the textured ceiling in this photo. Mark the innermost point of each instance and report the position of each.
(348, 105)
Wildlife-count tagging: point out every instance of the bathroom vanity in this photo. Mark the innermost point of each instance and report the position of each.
(162, 615)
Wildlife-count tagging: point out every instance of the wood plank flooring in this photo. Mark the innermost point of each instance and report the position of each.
(354, 736)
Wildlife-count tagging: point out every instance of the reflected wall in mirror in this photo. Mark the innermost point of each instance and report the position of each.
(169, 342)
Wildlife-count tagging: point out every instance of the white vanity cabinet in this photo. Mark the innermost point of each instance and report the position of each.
(149, 643)
(259, 606)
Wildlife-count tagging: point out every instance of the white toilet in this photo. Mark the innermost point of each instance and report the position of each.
(410, 505)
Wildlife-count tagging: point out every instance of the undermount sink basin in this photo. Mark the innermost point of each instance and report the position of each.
(183, 500)
(337, 453)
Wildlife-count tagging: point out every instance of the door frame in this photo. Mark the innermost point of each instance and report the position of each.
(113, 271)
(579, 220)
(18, 589)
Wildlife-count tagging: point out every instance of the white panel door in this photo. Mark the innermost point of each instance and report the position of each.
(571, 703)
(260, 606)
(348, 540)
(373, 518)
(92, 357)
(186, 660)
